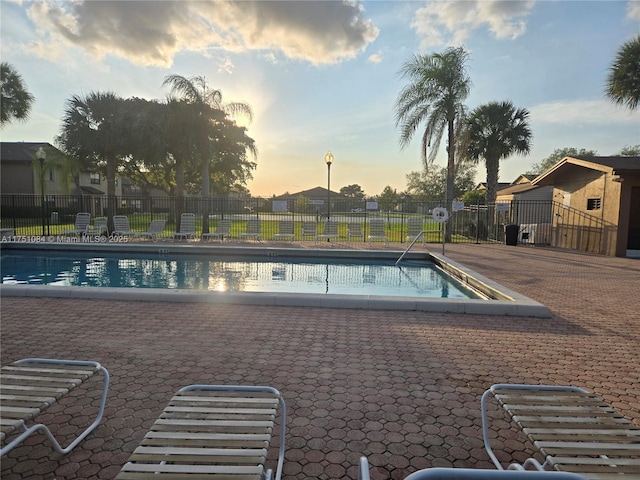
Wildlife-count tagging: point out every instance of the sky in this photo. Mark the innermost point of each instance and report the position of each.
(325, 75)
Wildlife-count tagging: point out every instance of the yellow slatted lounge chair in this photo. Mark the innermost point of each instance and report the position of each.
(285, 230)
(330, 231)
(213, 432)
(223, 229)
(574, 430)
(187, 226)
(80, 226)
(376, 231)
(253, 230)
(31, 385)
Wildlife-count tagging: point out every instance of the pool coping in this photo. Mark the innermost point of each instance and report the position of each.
(503, 301)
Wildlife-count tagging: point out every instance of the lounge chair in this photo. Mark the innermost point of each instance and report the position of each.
(376, 231)
(156, 229)
(80, 226)
(121, 226)
(253, 230)
(310, 229)
(330, 231)
(31, 385)
(285, 230)
(223, 229)
(440, 473)
(211, 431)
(354, 230)
(99, 227)
(415, 225)
(573, 429)
(187, 226)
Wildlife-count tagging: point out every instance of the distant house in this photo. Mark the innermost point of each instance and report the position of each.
(20, 171)
(600, 203)
(312, 200)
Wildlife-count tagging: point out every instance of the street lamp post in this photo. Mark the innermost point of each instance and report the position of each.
(328, 159)
(41, 155)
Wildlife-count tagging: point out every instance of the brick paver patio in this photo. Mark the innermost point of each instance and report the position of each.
(401, 387)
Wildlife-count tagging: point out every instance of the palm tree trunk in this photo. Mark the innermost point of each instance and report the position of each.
(111, 192)
(451, 171)
(493, 166)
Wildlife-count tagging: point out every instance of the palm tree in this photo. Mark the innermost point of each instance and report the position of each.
(16, 100)
(623, 81)
(495, 131)
(208, 110)
(438, 87)
(93, 132)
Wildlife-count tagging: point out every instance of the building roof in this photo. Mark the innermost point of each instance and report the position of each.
(20, 151)
(483, 185)
(615, 165)
(317, 192)
(517, 188)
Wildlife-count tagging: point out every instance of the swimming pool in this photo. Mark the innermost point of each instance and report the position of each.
(256, 275)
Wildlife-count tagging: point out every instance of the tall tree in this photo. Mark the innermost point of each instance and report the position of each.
(497, 130)
(16, 100)
(353, 191)
(93, 131)
(432, 185)
(623, 81)
(208, 110)
(438, 86)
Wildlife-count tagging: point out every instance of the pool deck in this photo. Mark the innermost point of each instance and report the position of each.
(402, 387)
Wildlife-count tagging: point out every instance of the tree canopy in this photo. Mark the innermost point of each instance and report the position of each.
(557, 155)
(623, 81)
(16, 100)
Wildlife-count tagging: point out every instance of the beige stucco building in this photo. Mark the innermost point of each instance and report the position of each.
(599, 203)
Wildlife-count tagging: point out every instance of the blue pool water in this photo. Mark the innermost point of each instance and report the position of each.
(233, 274)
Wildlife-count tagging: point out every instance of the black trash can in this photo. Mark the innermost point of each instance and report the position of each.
(511, 234)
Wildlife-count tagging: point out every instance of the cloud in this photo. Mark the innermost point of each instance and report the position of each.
(153, 32)
(450, 23)
(633, 10)
(581, 113)
(375, 57)
(226, 65)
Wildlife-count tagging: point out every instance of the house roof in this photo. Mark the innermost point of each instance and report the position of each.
(316, 192)
(613, 165)
(20, 151)
(483, 185)
(517, 188)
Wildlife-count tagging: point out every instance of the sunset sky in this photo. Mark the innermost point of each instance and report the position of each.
(323, 75)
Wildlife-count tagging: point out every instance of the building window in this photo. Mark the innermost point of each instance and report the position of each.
(51, 175)
(95, 179)
(593, 203)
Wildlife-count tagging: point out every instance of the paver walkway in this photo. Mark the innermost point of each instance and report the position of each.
(401, 387)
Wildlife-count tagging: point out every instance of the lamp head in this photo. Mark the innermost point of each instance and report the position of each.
(328, 158)
(41, 154)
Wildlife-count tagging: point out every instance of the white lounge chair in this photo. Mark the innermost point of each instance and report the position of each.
(156, 229)
(121, 226)
(253, 230)
(415, 225)
(187, 226)
(330, 231)
(376, 231)
(212, 431)
(31, 385)
(223, 229)
(285, 230)
(99, 227)
(310, 229)
(573, 429)
(80, 226)
(354, 230)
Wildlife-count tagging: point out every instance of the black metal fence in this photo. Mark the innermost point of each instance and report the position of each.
(538, 222)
